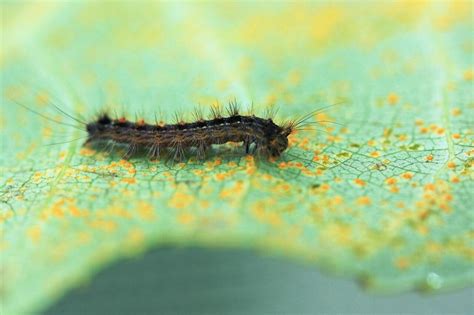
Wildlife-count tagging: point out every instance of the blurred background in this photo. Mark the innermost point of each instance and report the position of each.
(72, 244)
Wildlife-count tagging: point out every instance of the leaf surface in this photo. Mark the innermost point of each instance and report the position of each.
(386, 197)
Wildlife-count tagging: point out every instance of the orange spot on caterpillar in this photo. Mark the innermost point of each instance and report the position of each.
(391, 181)
(451, 164)
(122, 120)
(429, 158)
(392, 98)
(440, 131)
(359, 182)
(140, 122)
(407, 175)
(456, 136)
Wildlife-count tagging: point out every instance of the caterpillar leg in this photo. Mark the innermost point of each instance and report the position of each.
(201, 149)
(131, 150)
(178, 153)
(154, 152)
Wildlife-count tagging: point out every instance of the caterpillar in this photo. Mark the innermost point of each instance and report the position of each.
(260, 136)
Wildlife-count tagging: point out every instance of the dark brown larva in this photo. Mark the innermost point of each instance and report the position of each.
(268, 138)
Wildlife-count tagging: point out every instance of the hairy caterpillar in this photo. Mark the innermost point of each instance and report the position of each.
(260, 136)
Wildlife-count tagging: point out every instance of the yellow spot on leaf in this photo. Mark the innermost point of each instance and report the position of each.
(86, 152)
(324, 187)
(186, 218)
(375, 154)
(456, 111)
(468, 74)
(129, 180)
(402, 263)
(104, 225)
(221, 176)
(392, 98)
(181, 200)
(34, 233)
(364, 201)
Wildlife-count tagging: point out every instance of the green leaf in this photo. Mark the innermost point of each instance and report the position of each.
(386, 198)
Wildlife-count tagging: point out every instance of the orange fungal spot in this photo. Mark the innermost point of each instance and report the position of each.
(324, 187)
(375, 154)
(34, 233)
(392, 98)
(186, 218)
(455, 180)
(402, 263)
(468, 75)
(221, 176)
(181, 200)
(456, 111)
(430, 187)
(129, 180)
(364, 201)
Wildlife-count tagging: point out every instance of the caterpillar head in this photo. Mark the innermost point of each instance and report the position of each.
(279, 142)
(99, 125)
